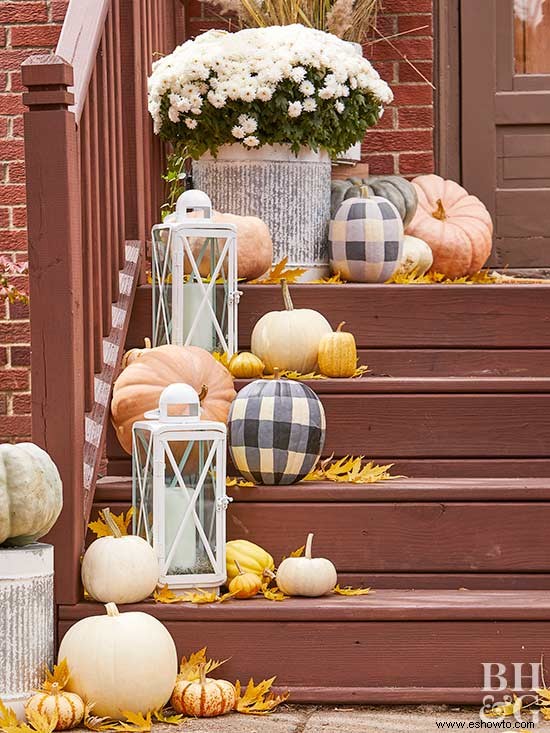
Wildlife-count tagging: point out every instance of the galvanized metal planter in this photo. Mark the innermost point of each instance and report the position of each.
(290, 193)
(26, 620)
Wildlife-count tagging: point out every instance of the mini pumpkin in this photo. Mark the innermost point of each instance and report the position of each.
(203, 698)
(289, 339)
(68, 706)
(244, 585)
(396, 189)
(456, 225)
(365, 239)
(306, 576)
(276, 431)
(121, 569)
(416, 256)
(243, 555)
(139, 386)
(246, 365)
(338, 353)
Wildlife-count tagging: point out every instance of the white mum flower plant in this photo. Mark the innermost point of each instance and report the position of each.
(263, 86)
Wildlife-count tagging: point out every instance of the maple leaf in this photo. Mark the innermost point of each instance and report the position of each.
(240, 482)
(222, 357)
(165, 595)
(167, 715)
(273, 594)
(350, 469)
(335, 279)
(135, 722)
(286, 374)
(360, 371)
(94, 722)
(42, 723)
(278, 272)
(506, 708)
(347, 590)
(59, 676)
(190, 668)
(102, 529)
(8, 718)
(200, 596)
(258, 699)
(299, 552)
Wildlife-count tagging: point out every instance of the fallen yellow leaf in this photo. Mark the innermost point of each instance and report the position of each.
(102, 529)
(278, 272)
(258, 699)
(190, 668)
(135, 722)
(349, 591)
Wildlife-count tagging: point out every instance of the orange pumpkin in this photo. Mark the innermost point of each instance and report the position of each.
(139, 386)
(254, 245)
(456, 225)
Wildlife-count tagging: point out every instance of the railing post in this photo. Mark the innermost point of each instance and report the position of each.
(55, 271)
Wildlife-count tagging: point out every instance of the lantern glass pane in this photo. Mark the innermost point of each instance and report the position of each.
(142, 484)
(190, 508)
(161, 275)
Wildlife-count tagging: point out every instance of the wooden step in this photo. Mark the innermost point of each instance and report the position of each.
(429, 533)
(422, 423)
(391, 646)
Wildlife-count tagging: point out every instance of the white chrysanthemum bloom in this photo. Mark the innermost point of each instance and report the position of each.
(251, 141)
(191, 123)
(248, 124)
(216, 100)
(339, 107)
(248, 93)
(238, 132)
(298, 74)
(294, 109)
(173, 115)
(264, 93)
(310, 105)
(307, 88)
(326, 93)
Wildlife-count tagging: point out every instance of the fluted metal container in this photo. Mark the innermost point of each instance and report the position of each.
(290, 193)
(26, 620)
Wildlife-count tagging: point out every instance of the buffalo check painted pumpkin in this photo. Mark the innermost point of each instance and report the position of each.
(276, 431)
(365, 239)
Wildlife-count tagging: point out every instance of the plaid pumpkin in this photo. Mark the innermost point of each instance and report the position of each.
(365, 240)
(276, 431)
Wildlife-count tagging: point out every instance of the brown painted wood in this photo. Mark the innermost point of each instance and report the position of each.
(447, 96)
(55, 275)
(404, 316)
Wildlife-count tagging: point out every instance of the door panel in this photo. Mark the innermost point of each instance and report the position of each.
(505, 52)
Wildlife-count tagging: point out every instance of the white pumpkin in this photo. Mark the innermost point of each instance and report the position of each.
(121, 661)
(68, 706)
(289, 339)
(416, 256)
(119, 569)
(31, 493)
(306, 576)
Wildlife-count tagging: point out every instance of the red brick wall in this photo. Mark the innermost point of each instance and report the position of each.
(402, 143)
(403, 140)
(26, 27)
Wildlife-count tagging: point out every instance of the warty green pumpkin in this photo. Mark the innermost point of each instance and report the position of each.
(397, 190)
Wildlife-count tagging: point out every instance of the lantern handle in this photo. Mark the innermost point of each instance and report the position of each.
(193, 200)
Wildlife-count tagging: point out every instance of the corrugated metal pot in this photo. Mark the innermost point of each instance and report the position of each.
(290, 193)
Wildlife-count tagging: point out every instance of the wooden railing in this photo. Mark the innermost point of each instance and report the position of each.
(94, 189)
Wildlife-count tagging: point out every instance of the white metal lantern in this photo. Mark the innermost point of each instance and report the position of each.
(179, 496)
(194, 272)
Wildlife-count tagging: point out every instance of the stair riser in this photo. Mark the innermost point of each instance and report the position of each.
(395, 661)
(364, 539)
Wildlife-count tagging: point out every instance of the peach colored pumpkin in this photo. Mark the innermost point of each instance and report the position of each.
(254, 245)
(139, 386)
(456, 225)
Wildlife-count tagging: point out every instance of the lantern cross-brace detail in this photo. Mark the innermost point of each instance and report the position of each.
(194, 273)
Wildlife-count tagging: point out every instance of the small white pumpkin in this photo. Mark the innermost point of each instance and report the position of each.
(68, 706)
(121, 661)
(306, 576)
(289, 339)
(416, 256)
(120, 568)
(31, 493)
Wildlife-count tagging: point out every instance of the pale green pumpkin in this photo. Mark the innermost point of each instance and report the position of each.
(31, 493)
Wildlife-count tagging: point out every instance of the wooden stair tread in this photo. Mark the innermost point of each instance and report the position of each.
(382, 605)
(119, 488)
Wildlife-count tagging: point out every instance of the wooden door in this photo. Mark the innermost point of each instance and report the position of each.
(505, 80)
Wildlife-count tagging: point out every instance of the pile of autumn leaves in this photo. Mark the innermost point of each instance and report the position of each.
(253, 699)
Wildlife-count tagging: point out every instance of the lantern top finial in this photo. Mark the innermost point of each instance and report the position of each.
(193, 200)
(177, 402)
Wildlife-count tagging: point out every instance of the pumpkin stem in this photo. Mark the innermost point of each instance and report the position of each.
(364, 192)
(241, 571)
(287, 300)
(340, 326)
(112, 610)
(439, 213)
(147, 342)
(202, 672)
(55, 688)
(269, 574)
(115, 531)
(203, 392)
(309, 542)
(276, 373)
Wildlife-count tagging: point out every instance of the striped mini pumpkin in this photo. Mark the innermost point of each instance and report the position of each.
(365, 240)
(276, 431)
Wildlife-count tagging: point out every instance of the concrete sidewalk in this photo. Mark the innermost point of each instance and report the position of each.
(294, 719)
